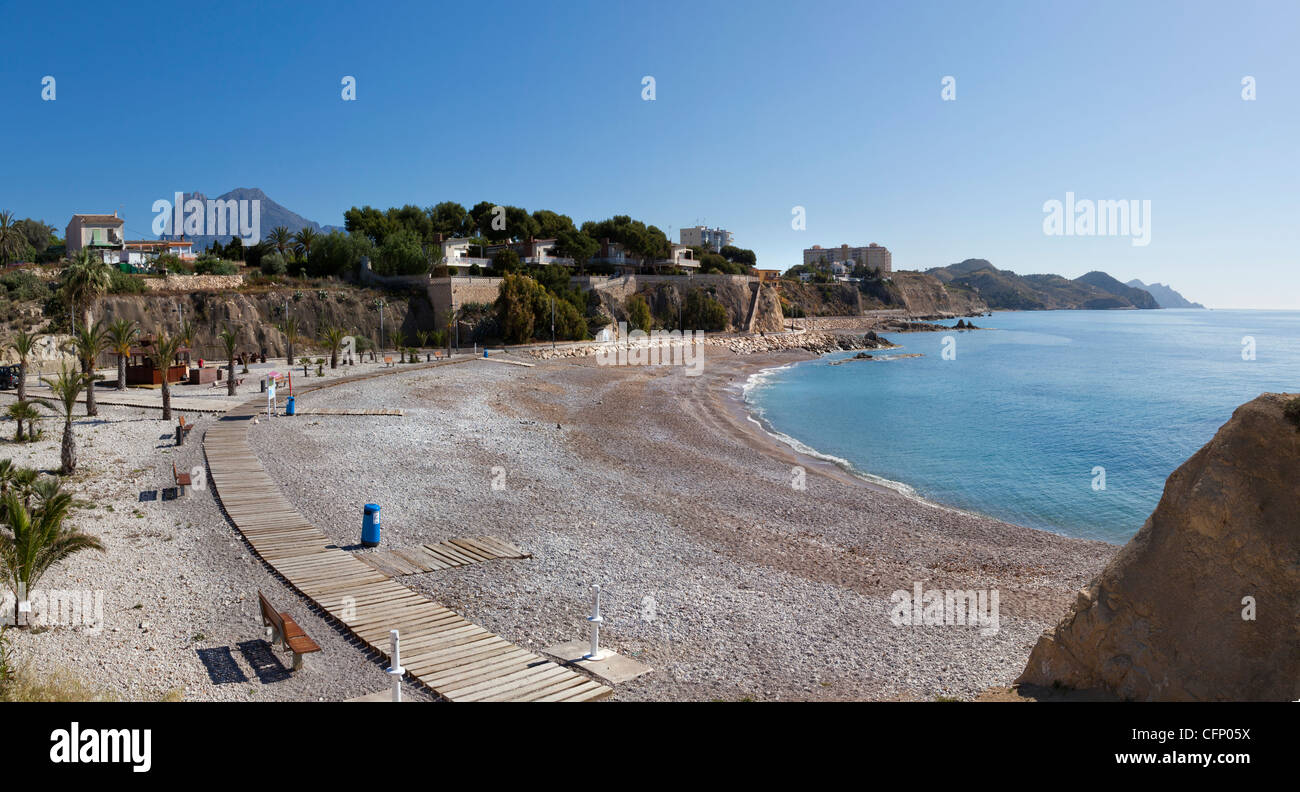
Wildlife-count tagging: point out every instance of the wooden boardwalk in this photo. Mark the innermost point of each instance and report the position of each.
(453, 657)
(347, 411)
(443, 555)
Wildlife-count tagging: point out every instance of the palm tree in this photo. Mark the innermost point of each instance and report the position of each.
(24, 412)
(332, 339)
(12, 240)
(6, 475)
(24, 478)
(395, 340)
(186, 334)
(291, 335)
(280, 239)
(32, 541)
(303, 241)
(161, 353)
(86, 278)
(67, 387)
(24, 343)
(88, 343)
(121, 336)
(45, 488)
(424, 337)
(229, 339)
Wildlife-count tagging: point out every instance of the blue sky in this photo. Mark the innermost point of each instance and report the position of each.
(760, 107)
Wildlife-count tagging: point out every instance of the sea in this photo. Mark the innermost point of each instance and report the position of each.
(1067, 421)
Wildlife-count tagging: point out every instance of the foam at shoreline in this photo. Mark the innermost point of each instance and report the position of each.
(763, 377)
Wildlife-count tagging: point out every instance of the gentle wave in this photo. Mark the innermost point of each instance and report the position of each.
(764, 377)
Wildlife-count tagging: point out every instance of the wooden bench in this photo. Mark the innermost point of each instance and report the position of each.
(182, 430)
(388, 360)
(283, 629)
(182, 480)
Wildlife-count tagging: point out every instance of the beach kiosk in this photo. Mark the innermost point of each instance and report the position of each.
(140, 369)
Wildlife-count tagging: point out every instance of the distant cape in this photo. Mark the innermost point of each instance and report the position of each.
(1165, 295)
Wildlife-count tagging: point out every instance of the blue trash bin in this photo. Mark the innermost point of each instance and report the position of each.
(370, 526)
(288, 406)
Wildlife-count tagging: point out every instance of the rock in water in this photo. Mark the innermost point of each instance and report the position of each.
(1169, 618)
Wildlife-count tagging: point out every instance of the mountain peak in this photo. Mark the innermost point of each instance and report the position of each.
(272, 215)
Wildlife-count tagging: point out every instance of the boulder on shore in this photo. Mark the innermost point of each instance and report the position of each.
(1204, 602)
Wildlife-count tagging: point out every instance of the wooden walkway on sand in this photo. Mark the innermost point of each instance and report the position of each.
(453, 657)
(347, 411)
(443, 555)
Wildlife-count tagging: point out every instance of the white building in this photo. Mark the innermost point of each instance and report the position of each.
(874, 256)
(96, 231)
(701, 236)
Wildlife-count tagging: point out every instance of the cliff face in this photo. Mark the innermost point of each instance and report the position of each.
(255, 315)
(925, 295)
(664, 294)
(1204, 602)
(914, 292)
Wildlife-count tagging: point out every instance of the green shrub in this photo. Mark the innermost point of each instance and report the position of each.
(25, 285)
(173, 263)
(638, 311)
(215, 266)
(1292, 411)
(273, 264)
(703, 312)
(126, 284)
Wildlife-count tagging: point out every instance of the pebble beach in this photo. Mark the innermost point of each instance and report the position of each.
(718, 572)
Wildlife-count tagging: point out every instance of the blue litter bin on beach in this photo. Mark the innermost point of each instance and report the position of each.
(370, 526)
(288, 406)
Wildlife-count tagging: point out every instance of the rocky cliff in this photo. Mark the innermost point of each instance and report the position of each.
(1204, 602)
(255, 315)
(664, 294)
(914, 292)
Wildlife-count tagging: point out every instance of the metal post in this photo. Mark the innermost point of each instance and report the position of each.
(596, 620)
(395, 671)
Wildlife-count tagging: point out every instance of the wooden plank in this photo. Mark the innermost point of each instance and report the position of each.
(449, 654)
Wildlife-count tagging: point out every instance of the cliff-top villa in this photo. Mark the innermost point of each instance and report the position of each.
(104, 233)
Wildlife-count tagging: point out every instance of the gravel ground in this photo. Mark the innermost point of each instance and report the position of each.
(179, 585)
(717, 572)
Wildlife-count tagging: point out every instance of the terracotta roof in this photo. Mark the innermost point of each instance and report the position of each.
(100, 218)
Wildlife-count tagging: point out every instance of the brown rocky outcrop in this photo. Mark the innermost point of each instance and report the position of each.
(1171, 616)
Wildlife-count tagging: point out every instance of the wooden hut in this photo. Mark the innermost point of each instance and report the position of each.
(140, 369)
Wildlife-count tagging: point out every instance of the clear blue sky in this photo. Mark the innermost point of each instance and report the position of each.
(761, 106)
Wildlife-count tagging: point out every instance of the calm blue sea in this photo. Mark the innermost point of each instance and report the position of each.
(1015, 425)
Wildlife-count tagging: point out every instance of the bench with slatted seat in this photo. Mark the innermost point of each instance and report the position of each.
(182, 480)
(285, 630)
(182, 430)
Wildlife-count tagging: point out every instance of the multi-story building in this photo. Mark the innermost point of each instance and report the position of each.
(700, 236)
(875, 256)
(96, 231)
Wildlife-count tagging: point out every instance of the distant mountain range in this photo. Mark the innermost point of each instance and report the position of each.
(1165, 295)
(1004, 289)
(272, 215)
